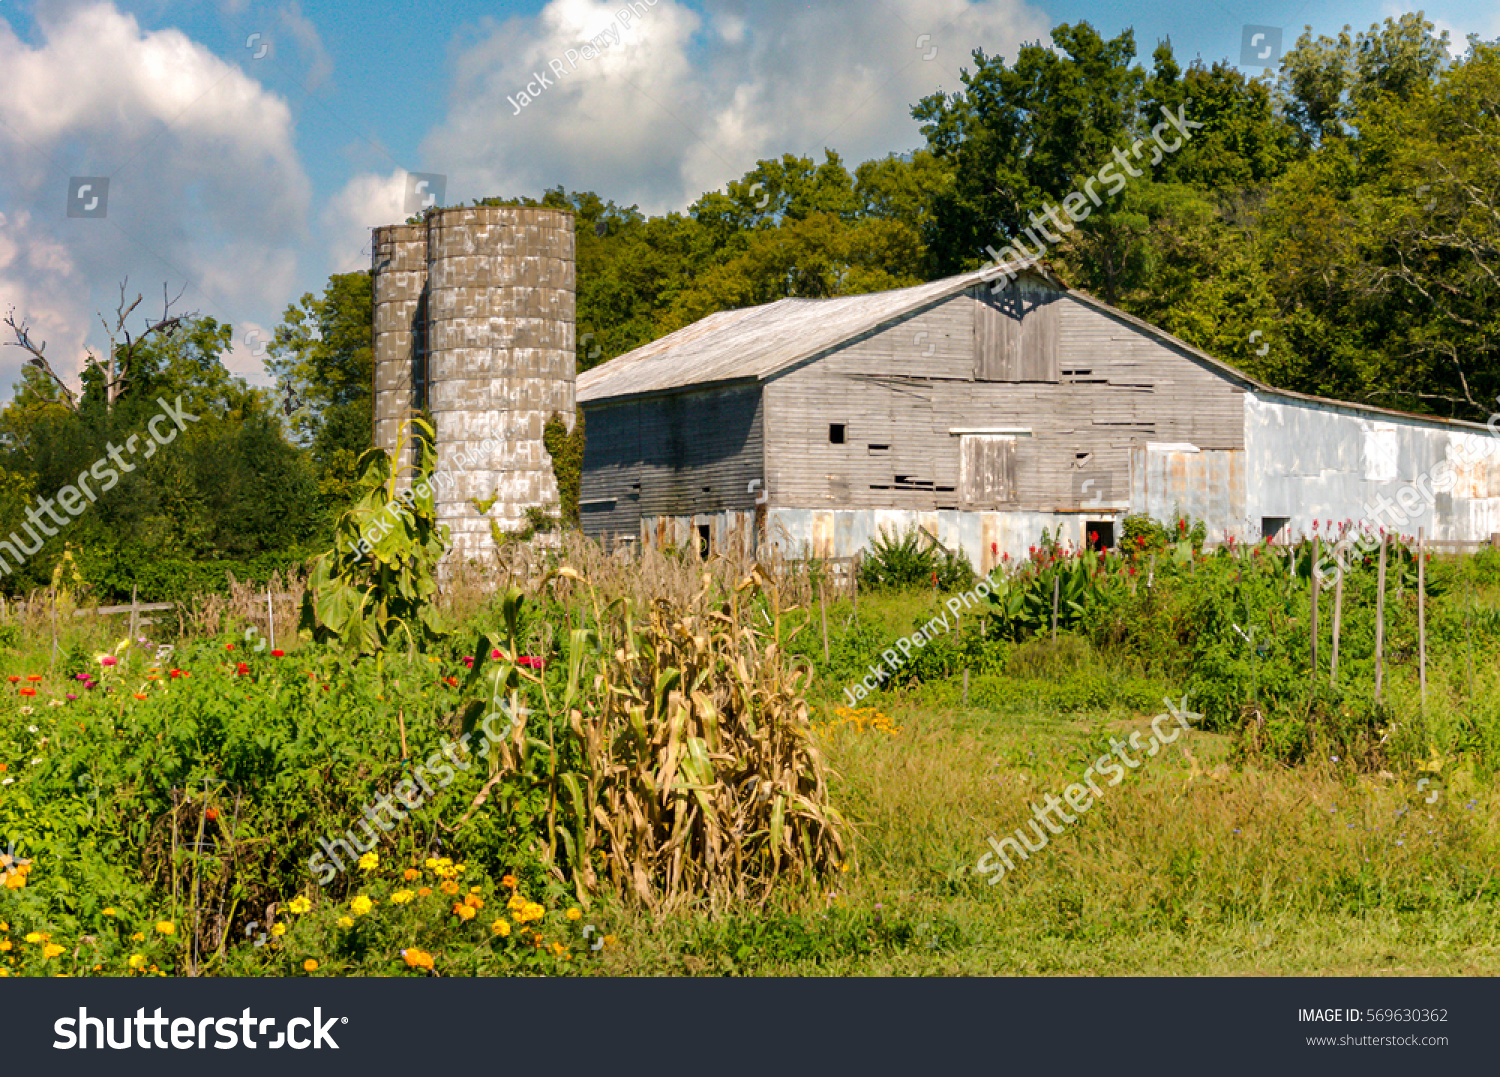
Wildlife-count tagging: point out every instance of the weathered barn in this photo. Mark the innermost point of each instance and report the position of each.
(986, 416)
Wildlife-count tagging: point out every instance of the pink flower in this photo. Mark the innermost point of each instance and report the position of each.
(529, 662)
(109, 660)
(496, 653)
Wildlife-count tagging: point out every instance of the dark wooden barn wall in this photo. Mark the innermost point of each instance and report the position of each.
(690, 452)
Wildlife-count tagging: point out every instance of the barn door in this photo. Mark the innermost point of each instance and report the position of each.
(986, 470)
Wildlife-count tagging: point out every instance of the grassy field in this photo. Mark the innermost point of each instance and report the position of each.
(188, 789)
(1196, 863)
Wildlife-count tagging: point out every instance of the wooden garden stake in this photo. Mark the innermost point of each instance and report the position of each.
(1338, 614)
(270, 618)
(1380, 620)
(823, 609)
(1056, 591)
(1422, 614)
(1317, 581)
(966, 688)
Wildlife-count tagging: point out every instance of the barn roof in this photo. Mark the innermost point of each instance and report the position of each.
(757, 343)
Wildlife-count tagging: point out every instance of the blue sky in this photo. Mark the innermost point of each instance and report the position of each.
(248, 168)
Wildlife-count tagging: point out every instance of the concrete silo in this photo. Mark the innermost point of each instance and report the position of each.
(488, 350)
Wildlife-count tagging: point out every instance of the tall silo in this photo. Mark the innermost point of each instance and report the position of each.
(399, 259)
(500, 360)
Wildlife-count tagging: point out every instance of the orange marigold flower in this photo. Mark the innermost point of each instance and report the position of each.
(463, 912)
(510, 881)
(424, 891)
(417, 959)
(411, 874)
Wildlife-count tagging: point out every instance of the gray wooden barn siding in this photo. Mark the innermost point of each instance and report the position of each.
(670, 455)
(906, 386)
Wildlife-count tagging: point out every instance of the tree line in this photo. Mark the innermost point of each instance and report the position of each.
(1332, 227)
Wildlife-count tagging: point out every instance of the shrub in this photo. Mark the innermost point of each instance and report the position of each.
(911, 560)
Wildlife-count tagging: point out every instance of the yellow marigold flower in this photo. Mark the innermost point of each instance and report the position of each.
(509, 881)
(344, 921)
(4, 926)
(575, 914)
(166, 927)
(309, 965)
(278, 930)
(4, 973)
(401, 897)
(109, 911)
(417, 959)
(463, 912)
(475, 900)
(35, 937)
(475, 889)
(411, 875)
(559, 949)
(138, 937)
(137, 961)
(424, 891)
(430, 862)
(16, 880)
(4, 946)
(501, 928)
(534, 911)
(516, 903)
(299, 905)
(361, 905)
(51, 950)
(369, 861)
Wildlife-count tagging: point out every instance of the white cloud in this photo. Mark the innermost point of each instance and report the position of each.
(205, 188)
(680, 104)
(367, 201)
(309, 44)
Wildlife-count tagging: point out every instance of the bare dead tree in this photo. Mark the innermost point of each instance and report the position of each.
(118, 363)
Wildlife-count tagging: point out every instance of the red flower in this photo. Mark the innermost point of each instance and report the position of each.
(13, 678)
(529, 662)
(229, 646)
(451, 682)
(278, 654)
(211, 814)
(496, 653)
(33, 677)
(241, 669)
(28, 691)
(140, 695)
(1093, 536)
(174, 673)
(994, 548)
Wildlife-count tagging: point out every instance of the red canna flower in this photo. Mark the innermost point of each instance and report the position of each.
(229, 646)
(174, 673)
(241, 669)
(278, 654)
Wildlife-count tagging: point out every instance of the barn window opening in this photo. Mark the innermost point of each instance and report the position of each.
(1274, 527)
(705, 536)
(835, 433)
(876, 450)
(1100, 534)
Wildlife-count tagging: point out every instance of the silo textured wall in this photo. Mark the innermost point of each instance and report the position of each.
(399, 257)
(496, 307)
